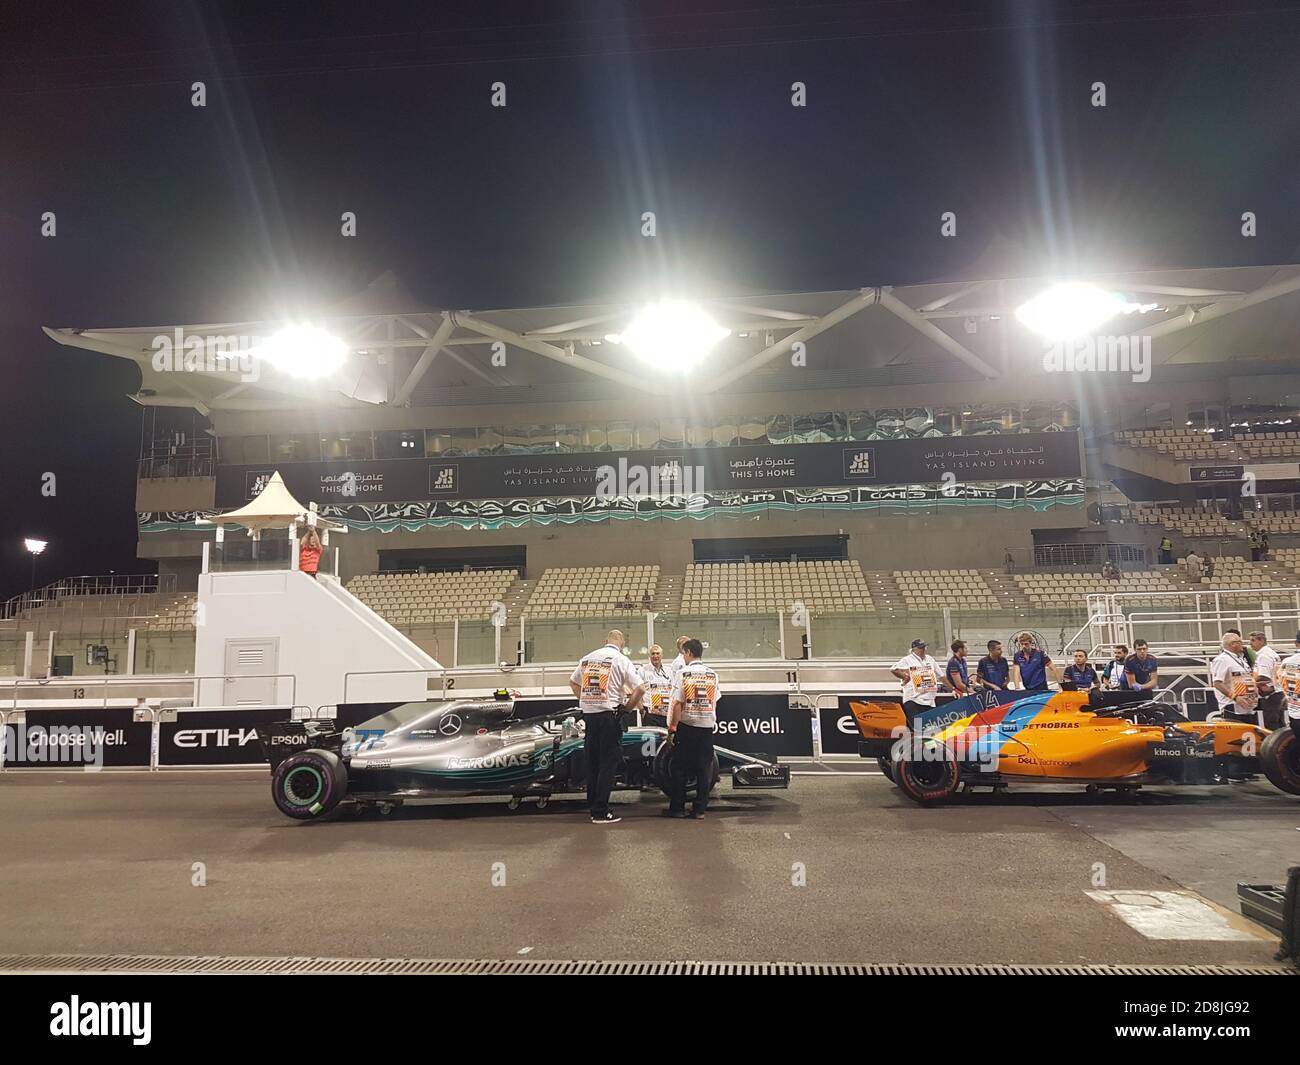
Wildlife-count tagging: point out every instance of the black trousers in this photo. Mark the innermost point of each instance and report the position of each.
(1274, 707)
(692, 756)
(604, 750)
(911, 708)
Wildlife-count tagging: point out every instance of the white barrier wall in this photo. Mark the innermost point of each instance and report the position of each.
(285, 623)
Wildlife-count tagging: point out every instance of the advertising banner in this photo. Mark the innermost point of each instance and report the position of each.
(690, 471)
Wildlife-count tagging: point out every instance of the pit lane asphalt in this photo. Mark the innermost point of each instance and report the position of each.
(102, 863)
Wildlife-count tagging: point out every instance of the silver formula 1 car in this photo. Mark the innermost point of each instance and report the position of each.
(479, 747)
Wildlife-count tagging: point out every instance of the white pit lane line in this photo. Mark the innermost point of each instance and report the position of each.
(1177, 915)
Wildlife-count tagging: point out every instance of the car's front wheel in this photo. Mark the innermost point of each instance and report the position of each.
(309, 784)
(1279, 757)
(663, 772)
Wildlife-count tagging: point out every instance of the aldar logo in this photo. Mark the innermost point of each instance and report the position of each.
(255, 481)
(444, 478)
(860, 462)
(663, 478)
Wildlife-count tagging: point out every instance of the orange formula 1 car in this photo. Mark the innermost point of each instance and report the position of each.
(1118, 740)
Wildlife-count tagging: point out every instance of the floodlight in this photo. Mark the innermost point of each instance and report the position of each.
(36, 546)
(1069, 310)
(304, 351)
(671, 334)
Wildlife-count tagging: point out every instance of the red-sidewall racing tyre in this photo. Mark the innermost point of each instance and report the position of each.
(930, 779)
(663, 769)
(309, 784)
(1279, 757)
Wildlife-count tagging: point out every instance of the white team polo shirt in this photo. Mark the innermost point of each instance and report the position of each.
(1240, 678)
(1288, 678)
(602, 677)
(696, 688)
(922, 682)
(658, 688)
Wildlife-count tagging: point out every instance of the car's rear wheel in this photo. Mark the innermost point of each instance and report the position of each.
(1279, 757)
(928, 774)
(886, 767)
(663, 772)
(309, 784)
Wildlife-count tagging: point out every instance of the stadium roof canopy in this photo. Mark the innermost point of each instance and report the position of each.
(402, 352)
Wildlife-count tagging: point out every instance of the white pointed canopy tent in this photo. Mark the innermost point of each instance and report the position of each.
(274, 507)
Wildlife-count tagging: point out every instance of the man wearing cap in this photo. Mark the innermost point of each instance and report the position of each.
(601, 684)
(921, 679)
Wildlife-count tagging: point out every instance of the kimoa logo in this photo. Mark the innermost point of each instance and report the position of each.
(79, 1018)
(489, 761)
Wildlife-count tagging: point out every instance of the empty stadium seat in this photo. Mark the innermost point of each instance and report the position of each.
(586, 590)
(832, 586)
(430, 598)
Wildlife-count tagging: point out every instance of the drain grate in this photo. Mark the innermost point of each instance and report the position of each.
(217, 964)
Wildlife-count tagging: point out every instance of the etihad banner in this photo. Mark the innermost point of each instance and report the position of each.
(929, 460)
(512, 513)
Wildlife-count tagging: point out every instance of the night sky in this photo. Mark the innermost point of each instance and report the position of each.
(169, 213)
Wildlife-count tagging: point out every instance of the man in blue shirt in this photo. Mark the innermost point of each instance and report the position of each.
(994, 671)
(958, 671)
(1080, 672)
(1031, 664)
(1140, 668)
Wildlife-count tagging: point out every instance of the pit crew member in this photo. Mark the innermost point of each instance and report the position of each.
(605, 684)
(1140, 668)
(691, 721)
(658, 684)
(1234, 681)
(921, 680)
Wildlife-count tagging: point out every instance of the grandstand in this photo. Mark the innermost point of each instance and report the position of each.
(923, 466)
(426, 598)
(582, 591)
(823, 587)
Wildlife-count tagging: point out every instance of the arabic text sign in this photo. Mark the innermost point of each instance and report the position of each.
(1024, 456)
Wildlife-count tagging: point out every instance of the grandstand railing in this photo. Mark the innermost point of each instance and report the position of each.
(1195, 631)
(72, 590)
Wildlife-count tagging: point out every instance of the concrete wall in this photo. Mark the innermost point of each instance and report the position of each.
(323, 634)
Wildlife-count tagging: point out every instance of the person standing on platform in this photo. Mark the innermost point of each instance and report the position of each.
(1166, 551)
